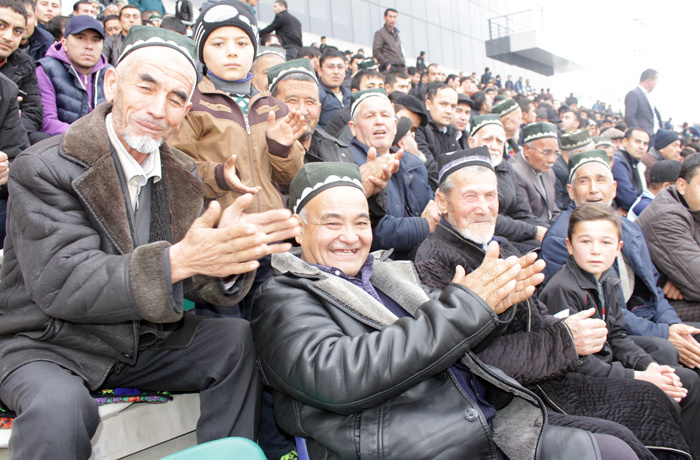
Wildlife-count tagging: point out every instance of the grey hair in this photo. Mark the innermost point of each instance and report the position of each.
(298, 76)
(303, 215)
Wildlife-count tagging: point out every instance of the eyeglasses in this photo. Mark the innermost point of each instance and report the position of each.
(548, 152)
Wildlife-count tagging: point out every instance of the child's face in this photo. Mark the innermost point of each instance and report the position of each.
(595, 245)
(228, 53)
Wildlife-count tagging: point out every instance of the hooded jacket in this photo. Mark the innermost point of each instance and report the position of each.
(67, 94)
(357, 382)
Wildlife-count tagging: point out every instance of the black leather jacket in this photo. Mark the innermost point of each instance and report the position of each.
(358, 383)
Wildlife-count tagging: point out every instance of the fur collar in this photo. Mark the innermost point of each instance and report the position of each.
(86, 143)
(397, 279)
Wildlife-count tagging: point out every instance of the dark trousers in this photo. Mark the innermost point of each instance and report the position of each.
(57, 417)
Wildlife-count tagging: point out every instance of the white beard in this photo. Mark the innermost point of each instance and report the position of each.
(482, 238)
(142, 144)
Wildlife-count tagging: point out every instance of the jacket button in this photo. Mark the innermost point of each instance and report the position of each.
(126, 355)
(471, 415)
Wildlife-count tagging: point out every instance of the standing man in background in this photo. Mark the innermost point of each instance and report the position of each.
(387, 44)
(287, 28)
(640, 111)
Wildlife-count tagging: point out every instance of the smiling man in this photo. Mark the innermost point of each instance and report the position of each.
(95, 299)
(71, 76)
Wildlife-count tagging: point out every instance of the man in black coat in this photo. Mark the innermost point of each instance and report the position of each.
(640, 110)
(36, 41)
(287, 28)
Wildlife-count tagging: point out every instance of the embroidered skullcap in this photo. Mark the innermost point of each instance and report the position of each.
(581, 158)
(451, 162)
(367, 64)
(143, 36)
(576, 139)
(359, 97)
(601, 141)
(281, 52)
(314, 178)
(277, 72)
(505, 107)
(480, 121)
(539, 130)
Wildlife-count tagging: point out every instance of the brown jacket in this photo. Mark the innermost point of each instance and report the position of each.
(386, 48)
(216, 128)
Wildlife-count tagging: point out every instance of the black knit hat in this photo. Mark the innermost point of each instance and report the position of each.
(451, 162)
(664, 137)
(227, 13)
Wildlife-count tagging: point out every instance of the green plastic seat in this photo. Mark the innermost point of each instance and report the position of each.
(221, 449)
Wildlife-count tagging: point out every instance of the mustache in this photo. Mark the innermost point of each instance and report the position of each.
(151, 121)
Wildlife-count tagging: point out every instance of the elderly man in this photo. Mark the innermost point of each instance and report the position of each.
(670, 224)
(533, 168)
(515, 220)
(649, 317)
(573, 142)
(295, 84)
(332, 346)
(267, 57)
(511, 118)
(410, 212)
(95, 298)
(536, 349)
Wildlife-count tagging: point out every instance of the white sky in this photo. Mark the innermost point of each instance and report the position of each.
(615, 40)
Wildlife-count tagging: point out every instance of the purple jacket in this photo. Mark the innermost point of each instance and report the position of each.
(66, 93)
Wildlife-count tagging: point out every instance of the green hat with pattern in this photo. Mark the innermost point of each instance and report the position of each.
(358, 97)
(539, 130)
(576, 139)
(367, 64)
(582, 158)
(277, 72)
(143, 36)
(314, 178)
(505, 107)
(480, 121)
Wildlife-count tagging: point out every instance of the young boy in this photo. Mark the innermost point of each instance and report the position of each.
(588, 281)
(243, 142)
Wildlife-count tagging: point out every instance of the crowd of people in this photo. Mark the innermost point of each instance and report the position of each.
(384, 261)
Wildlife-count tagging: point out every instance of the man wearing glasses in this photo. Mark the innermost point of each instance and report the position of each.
(533, 168)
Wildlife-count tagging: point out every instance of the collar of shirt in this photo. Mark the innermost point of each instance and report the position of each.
(135, 174)
(644, 90)
(362, 280)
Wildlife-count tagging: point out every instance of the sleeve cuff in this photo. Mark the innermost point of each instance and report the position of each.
(177, 291)
(277, 149)
(220, 179)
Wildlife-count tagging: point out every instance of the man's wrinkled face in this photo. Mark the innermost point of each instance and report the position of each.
(402, 85)
(333, 72)
(541, 154)
(302, 96)
(471, 207)
(441, 106)
(112, 27)
(492, 136)
(672, 151)
(129, 17)
(461, 116)
(47, 10)
(337, 232)
(260, 68)
(12, 26)
(637, 145)
(592, 183)
(151, 89)
(83, 49)
(512, 121)
(375, 124)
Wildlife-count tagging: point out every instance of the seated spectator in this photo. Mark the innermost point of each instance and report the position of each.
(536, 349)
(174, 24)
(154, 19)
(594, 240)
(461, 119)
(112, 25)
(571, 120)
(295, 84)
(533, 169)
(439, 136)
(35, 41)
(268, 56)
(47, 10)
(650, 320)
(397, 80)
(19, 67)
(312, 54)
(56, 26)
(511, 118)
(333, 95)
(515, 220)
(628, 170)
(96, 300)
(333, 362)
(410, 213)
(661, 176)
(82, 8)
(252, 149)
(571, 143)
(71, 76)
(482, 103)
(615, 136)
(670, 225)
(666, 146)
(129, 15)
(606, 144)
(365, 78)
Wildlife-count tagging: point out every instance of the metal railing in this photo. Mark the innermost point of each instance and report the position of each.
(515, 23)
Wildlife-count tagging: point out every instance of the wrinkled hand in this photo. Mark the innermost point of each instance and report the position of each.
(4, 168)
(494, 280)
(672, 292)
(409, 144)
(589, 333)
(235, 245)
(540, 233)
(431, 213)
(377, 171)
(527, 280)
(665, 378)
(681, 336)
(287, 130)
(232, 179)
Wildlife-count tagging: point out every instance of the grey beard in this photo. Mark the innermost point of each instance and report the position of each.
(467, 234)
(142, 144)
